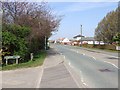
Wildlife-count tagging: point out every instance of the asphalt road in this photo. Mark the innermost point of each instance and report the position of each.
(94, 72)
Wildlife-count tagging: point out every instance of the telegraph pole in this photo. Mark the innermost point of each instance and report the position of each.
(45, 43)
(81, 36)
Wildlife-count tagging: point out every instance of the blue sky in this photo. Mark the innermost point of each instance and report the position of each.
(89, 14)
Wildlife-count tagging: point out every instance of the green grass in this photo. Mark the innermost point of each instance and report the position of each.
(37, 61)
(108, 50)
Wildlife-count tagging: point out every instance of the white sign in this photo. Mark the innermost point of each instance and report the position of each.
(11, 57)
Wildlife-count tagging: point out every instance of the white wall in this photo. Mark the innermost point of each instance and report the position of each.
(93, 42)
(101, 42)
(90, 42)
(78, 38)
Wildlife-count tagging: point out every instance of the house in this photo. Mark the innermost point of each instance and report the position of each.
(66, 41)
(91, 40)
(86, 40)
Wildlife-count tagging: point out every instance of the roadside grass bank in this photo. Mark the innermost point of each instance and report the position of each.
(107, 48)
(37, 61)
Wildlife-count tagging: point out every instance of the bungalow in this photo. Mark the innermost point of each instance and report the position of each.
(87, 40)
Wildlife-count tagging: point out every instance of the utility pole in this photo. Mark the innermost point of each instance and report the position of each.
(45, 43)
(81, 37)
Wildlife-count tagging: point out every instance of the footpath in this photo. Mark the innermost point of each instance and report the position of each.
(55, 74)
(52, 74)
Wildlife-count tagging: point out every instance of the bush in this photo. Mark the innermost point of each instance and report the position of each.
(14, 40)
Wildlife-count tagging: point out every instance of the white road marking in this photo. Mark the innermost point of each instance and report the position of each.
(83, 54)
(39, 80)
(72, 76)
(85, 84)
(69, 63)
(111, 64)
(82, 80)
(64, 57)
(94, 58)
(103, 61)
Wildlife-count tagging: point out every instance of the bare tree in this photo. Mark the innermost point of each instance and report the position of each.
(37, 16)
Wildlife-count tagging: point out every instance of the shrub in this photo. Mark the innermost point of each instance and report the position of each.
(14, 40)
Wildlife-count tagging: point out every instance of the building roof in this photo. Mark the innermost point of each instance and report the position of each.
(88, 39)
(78, 36)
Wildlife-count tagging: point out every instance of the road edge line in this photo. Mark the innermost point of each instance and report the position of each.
(39, 80)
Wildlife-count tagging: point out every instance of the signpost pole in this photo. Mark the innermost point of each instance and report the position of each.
(16, 60)
(6, 61)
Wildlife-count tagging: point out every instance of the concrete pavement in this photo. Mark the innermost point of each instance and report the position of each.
(55, 74)
(0, 80)
(52, 74)
(22, 78)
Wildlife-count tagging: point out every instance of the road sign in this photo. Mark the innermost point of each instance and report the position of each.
(11, 57)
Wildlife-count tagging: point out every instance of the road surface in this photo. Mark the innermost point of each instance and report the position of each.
(95, 72)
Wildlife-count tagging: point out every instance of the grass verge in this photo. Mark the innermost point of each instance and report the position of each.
(37, 61)
(107, 50)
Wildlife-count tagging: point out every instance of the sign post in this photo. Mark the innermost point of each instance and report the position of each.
(11, 57)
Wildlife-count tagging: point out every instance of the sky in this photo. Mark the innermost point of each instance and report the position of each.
(75, 14)
(87, 13)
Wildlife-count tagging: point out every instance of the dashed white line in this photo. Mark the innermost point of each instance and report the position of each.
(82, 80)
(64, 57)
(104, 61)
(94, 58)
(69, 63)
(85, 84)
(83, 54)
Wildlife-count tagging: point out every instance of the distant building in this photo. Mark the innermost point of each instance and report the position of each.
(78, 37)
(85, 40)
(88, 40)
(60, 40)
(66, 41)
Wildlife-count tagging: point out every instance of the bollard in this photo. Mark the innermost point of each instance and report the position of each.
(6, 61)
